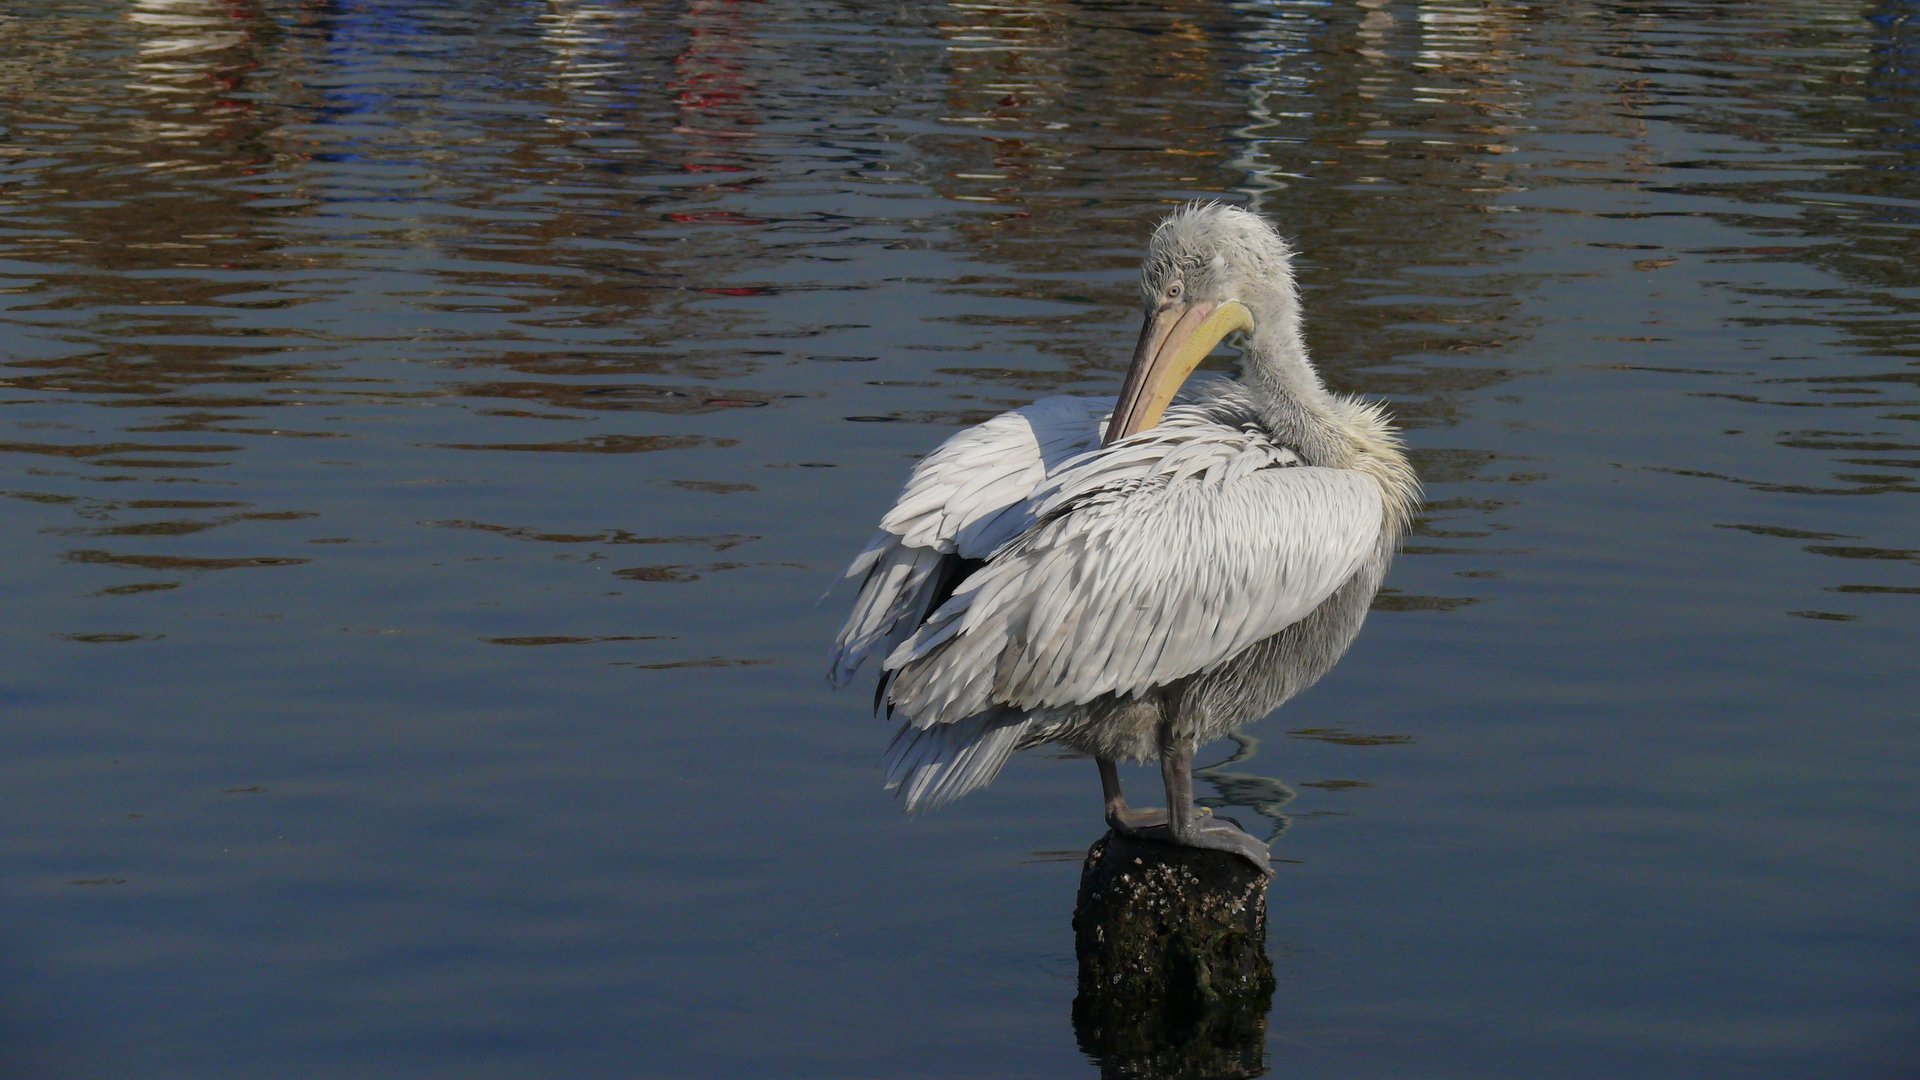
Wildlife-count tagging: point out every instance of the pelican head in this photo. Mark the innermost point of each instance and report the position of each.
(1211, 270)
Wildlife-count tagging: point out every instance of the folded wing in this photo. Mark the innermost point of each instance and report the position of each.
(962, 502)
(1135, 565)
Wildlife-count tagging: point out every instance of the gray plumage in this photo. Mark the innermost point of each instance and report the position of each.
(1033, 585)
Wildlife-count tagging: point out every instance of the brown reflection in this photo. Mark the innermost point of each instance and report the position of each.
(1842, 551)
(1829, 97)
(1850, 483)
(1395, 600)
(100, 450)
(151, 528)
(1380, 138)
(269, 198)
(1343, 737)
(674, 574)
(561, 639)
(704, 662)
(719, 542)
(1385, 153)
(141, 251)
(1786, 533)
(1060, 121)
(713, 487)
(681, 400)
(149, 184)
(1840, 102)
(179, 528)
(140, 587)
(176, 562)
(599, 444)
(650, 147)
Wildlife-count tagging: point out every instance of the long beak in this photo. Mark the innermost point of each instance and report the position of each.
(1173, 341)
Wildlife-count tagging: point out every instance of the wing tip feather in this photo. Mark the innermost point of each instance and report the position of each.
(932, 766)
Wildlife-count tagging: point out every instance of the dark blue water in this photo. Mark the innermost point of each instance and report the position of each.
(429, 429)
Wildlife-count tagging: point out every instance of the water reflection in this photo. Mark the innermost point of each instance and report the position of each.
(1260, 795)
(1831, 193)
(350, 350)
(1223, 1045)
(1174, 980)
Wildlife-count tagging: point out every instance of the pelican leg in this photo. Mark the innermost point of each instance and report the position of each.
(1197, 827)
(1120, 819)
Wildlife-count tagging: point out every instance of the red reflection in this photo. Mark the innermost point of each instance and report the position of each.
(711, 88)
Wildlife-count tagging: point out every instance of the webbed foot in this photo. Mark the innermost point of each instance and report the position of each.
(1219, 834)
(1211, 833)
(1130, 822)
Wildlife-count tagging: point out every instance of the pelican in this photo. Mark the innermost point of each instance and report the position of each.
(1133, 578)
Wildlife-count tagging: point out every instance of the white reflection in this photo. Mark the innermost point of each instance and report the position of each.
(184, 60)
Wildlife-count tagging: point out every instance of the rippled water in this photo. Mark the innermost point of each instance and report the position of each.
(428, 430)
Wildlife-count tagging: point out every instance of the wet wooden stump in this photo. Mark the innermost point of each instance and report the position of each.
(1174, 975)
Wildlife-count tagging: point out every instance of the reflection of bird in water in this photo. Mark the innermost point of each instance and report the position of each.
(1263, 795)
(1135, 594)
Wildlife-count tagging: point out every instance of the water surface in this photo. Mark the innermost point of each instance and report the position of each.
(429, 428)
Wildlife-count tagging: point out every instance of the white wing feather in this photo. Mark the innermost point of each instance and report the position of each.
(1156, 558)
(965, 499)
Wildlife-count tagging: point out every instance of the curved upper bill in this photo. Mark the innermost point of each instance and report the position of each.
(1173, 341)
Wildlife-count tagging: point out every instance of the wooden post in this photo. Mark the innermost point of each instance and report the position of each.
(1174, 975)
